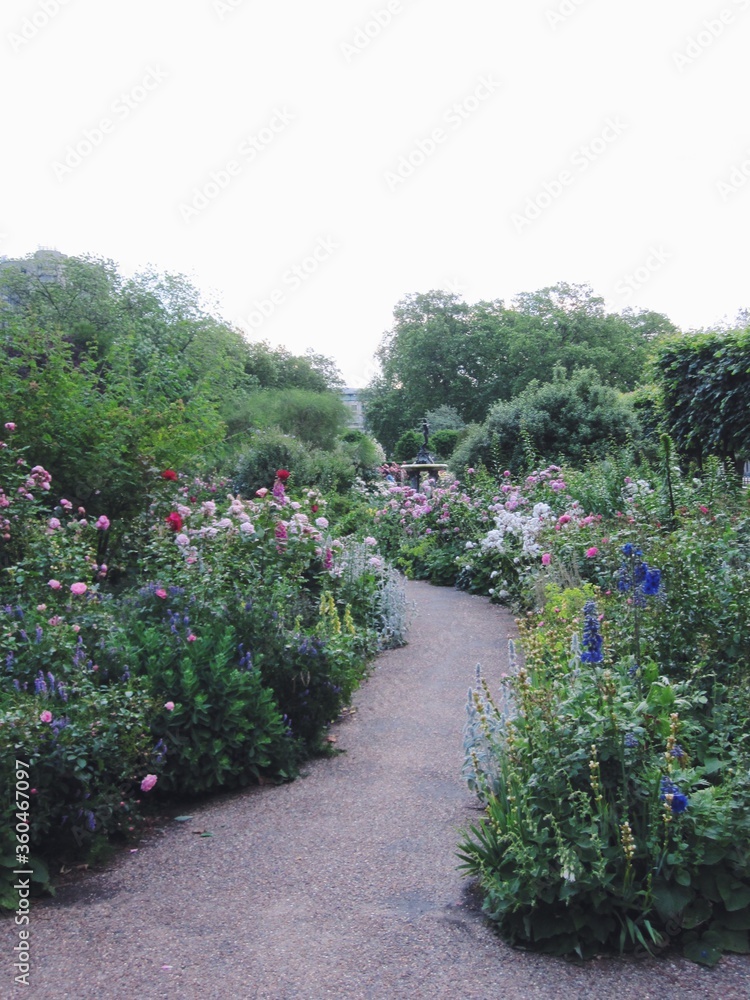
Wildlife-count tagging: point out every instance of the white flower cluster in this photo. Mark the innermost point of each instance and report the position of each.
(512, 526)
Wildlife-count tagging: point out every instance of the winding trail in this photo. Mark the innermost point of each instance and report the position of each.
(342, 884)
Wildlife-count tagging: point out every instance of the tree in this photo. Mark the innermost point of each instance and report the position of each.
(443, 352)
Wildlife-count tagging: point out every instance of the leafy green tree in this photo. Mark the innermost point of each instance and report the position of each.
(442, 352)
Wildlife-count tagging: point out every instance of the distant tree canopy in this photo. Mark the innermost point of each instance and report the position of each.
(443, 352)
(572, 418)
(105, 376)
(705, 386)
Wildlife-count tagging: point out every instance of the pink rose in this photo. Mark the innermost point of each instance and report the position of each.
(546, 559)
(169, 705)
(593, 551)
(148, 782)
(45, 716)
(54, 584)
(563, 519)
(103, 523)
(78, 589)
(53, 524)
(192, 638)
(10, 426)
(261, 492)
(161, 593)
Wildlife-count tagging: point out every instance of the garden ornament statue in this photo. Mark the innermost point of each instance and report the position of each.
(424, 462)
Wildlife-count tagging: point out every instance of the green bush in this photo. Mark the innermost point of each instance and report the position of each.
(225, 728)
(407, 446)
(618, 809)
(270, 450)
(443, 443)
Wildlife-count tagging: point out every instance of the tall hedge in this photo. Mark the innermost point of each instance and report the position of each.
(705, 383)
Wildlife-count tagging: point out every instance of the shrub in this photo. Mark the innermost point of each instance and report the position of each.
(617, 804)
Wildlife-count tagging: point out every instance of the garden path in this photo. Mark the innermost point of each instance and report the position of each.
(342, 884)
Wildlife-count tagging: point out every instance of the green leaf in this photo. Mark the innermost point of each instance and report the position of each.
(703, 954)
(735, 894)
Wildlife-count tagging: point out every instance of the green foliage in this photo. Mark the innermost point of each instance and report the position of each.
(443, 353)
(705, 384)
(225, 729)
(108, 378)
(617, 806)
(444, 442)
(407, 446)
(270, 451)
(570, 419)
(318, 418)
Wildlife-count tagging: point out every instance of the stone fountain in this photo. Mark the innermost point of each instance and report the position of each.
(423, 463)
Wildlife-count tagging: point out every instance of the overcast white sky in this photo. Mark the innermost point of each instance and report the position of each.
(621, 125)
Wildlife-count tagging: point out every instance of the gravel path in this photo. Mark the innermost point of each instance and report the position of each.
(341, 884)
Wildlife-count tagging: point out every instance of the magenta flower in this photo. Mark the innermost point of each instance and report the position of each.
(10, 426)
(46, 716)
(53, 524)
(148, 782)
(546, 559)
(103, 523)
(593, 551)
(78, 589)
(192, 638)
(161, 593)
(54, 584)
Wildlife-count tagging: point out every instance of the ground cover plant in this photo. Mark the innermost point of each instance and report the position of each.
(206, 643)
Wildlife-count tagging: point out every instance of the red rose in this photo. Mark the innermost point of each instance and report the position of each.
(282, 474)
(169, 474)
(174, 521)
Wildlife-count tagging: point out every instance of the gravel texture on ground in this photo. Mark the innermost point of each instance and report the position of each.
(341, 884)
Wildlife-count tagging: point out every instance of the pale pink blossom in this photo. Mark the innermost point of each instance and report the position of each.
(55, 620)
(53, 524)
(10, 426)
(322, 522)
(261, 492)
(103, 523)
(46, 716)
(169, 705)
(78, 589)
(148, 782)
(546, 559)
(54, 584)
